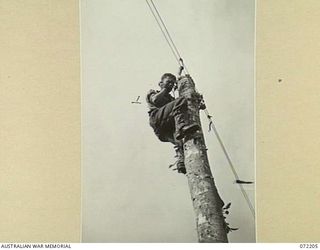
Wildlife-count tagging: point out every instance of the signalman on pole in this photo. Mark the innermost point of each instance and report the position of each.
(168, 116)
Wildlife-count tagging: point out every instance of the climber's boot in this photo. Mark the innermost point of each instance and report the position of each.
(182, 128)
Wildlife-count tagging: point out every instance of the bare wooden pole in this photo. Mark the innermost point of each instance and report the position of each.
(205, 197)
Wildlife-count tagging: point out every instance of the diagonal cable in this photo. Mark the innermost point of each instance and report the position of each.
(164, 25)
(163, 32)
(232, 168)
(166, 34)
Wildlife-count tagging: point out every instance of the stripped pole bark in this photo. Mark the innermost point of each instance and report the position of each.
(207, 203)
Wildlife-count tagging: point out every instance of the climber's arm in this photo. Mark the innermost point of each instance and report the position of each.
(156, 97)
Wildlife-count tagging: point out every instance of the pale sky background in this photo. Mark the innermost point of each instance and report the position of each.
(129, 194)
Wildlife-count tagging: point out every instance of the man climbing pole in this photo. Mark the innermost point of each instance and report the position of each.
(177, 120)
(168, 116)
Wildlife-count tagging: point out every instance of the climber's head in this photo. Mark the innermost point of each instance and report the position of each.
(167, 81)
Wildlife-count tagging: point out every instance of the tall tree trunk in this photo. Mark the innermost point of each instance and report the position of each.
(206, 200)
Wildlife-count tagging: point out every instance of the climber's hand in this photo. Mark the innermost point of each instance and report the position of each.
(180, 70)
(169, 85)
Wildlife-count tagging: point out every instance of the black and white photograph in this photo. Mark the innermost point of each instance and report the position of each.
(168, 121)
